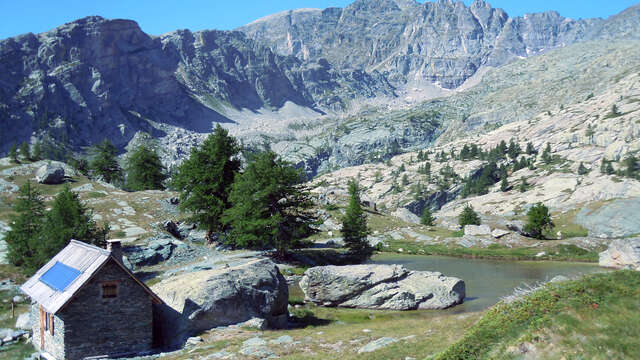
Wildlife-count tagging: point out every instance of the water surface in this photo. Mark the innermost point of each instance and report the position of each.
(488, 280)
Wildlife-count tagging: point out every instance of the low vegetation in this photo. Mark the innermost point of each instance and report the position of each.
(575, 319)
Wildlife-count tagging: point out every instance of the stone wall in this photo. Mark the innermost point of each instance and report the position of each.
(108, 326)
(53, 344)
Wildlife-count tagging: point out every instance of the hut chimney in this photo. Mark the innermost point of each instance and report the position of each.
(115, 248)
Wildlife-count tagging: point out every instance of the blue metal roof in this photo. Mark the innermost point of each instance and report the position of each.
(60, 276)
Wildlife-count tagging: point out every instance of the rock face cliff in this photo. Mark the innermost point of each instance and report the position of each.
(96, 78)
(443, 42)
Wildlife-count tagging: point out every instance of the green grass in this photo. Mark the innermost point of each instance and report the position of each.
(96, 195)
(594, 317)
(20, 350)
(564, 223)
(498, 252)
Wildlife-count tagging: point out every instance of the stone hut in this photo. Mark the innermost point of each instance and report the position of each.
(86, 303)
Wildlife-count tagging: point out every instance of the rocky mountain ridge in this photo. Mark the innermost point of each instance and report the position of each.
(95, 78)
(443, 42)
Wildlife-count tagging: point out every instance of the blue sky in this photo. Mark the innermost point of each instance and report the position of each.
(160, 16)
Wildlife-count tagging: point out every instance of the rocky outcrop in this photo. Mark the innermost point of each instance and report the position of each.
(381, 287)
(199, 301)
(622, 254)
(618, 218)
(52, 173)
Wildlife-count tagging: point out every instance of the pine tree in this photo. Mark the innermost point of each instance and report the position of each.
(37, 152)
(145, 170)
(25, 228)
(68, 219)
(609, 169)
(468, 217)
(24, 151)
(270, 205)
(546, 154)
(427, 218)
(514, 150)
(582, 170)
(631, 166)
(204, 179)
(603, 166)
(354, 225)
(590, 132)
(530, 149)
(13, 153)
(538, 220)
(105, 163)
(405, 180)
(524, 186)
(504, 185)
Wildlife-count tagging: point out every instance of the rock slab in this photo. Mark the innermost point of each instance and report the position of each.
(622, 254)
(202, 300)
(477, 230)
(390, 287)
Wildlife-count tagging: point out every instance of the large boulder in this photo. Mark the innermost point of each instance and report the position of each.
(622, 254)
(51, 173)
(381, 287)
(202, 300)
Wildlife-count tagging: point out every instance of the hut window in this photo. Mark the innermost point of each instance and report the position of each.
(110, 289)
(46, 321)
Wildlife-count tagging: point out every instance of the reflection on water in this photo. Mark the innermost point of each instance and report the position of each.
(488, 280)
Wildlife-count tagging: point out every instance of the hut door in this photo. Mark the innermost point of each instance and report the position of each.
(42, 325)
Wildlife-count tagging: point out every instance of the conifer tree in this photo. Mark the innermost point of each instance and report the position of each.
(524, 186)
(603, 166)
(68, 219)
(13, 153)
(24, 151)
(631, 166)
(145, 170)
(514, 150)
(104, 162)
(538, 220)
(504, 185)
(204, 179)
(468, 217)
(609, 169)
(582, 170)
(530, 149)
(546, 154)
(270, 205)
(427, 218)
(354, 225)
(25, 229)
(37, 152)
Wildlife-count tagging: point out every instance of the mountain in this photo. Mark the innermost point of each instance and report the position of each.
(96, 78)
(443, 42)
(324, 88)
